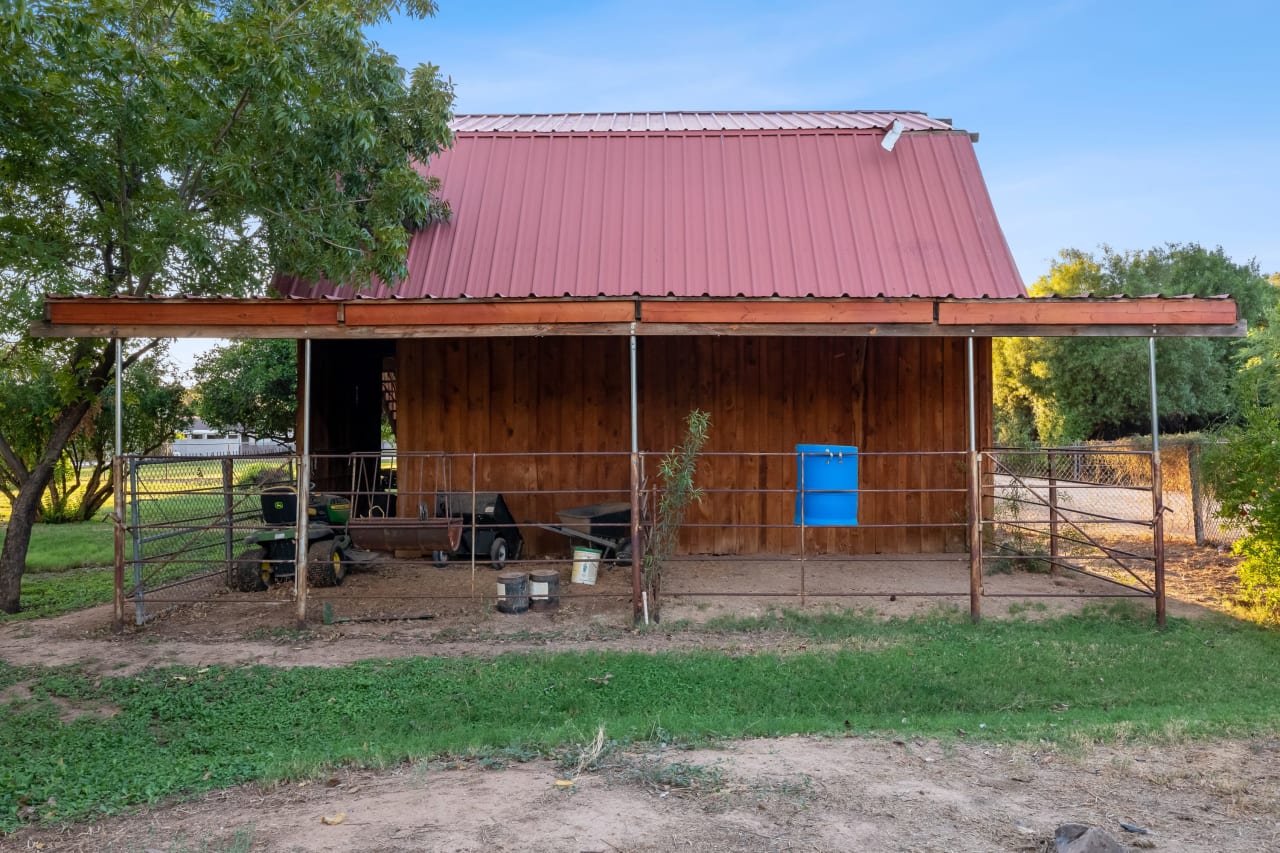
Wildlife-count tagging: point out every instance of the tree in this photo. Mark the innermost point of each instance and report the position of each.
(1243, 468)
(249, 386)
(1063, 390)
(154, 406)
(194, 148)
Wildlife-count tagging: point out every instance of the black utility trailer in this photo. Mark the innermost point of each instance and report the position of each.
(496, 536)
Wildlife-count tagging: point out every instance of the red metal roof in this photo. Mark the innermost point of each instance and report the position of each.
(563, 208)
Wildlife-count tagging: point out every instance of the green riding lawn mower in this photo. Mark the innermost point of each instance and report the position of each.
(270, 553)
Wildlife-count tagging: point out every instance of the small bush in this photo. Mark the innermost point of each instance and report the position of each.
(260, 475)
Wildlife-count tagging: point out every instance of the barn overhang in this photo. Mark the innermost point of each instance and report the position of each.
(186, 317)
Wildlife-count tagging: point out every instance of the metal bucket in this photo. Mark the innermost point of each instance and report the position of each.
(513, 592)
(544, 589)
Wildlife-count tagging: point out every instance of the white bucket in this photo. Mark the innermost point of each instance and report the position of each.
(586, 562)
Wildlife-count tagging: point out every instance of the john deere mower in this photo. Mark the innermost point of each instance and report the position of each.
(270, 553)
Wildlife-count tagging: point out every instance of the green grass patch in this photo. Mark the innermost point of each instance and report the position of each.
(55, 593)
(99, 744)
(60, 547)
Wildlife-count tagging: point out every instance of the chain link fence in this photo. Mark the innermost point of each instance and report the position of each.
(1114, 473)
(185, 521)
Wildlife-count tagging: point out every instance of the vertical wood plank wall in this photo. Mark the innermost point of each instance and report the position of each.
(570, 396)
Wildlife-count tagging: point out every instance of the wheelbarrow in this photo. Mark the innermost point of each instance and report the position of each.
(605, 525)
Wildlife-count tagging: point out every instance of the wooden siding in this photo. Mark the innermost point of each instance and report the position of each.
(528, 396)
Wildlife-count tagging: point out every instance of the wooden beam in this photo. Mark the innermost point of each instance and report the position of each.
(528, 330)
(769, 311)
(210, 313)
(264, 318)
(486, 313)
(1031, 312)
(914, 330)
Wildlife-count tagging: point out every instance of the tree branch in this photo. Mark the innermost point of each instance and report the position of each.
(129, 360)
(13, 462)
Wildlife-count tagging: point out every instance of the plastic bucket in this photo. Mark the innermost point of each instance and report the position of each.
(586, 562)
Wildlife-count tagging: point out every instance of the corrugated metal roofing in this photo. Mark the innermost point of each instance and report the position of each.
(684, 121)
(707, 213)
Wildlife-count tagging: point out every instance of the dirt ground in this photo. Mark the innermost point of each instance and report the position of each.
(788, 794)
(382, 598)
(759, 795)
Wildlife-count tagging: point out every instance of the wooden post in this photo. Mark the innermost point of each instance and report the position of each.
(1197, 492)
(1053, 515)
(975, 495)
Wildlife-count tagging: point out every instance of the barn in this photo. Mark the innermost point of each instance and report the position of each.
(824, 279)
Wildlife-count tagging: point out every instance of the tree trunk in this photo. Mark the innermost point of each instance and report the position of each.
(13, 557)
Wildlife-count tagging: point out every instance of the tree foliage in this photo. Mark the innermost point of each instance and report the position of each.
(195, 147)
(249, 386)
(1243, 468)
(154, 406)
(1063, 390)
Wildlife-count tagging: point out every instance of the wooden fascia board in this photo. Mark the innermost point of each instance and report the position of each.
(776, 311)
(249, 318)
(487, 313)
(213, 313)
(1135, 312)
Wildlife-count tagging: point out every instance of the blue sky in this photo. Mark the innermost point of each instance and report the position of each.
(1126, 123)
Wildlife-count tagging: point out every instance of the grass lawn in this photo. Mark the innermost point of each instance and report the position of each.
(99, 744)
(60, 547)
(68, 568)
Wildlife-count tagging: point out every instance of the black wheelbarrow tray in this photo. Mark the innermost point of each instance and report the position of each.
(607, 525)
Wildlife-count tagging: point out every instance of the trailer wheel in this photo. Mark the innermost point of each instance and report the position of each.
(245, 572)
(440, 559)
(498, 553)
(325, 565)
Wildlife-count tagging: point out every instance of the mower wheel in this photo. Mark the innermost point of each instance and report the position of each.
(325, 564)
(245, 572)
(498, 553)
(440, 559)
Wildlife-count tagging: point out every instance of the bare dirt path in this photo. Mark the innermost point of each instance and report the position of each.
(259, 630)
(793, 793)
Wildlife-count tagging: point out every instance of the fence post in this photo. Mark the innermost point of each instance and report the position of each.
(228, 508)
(135, 521)
(1197, 494)
(303, 494)
(1053, 514)
(975, 496)
(117, 549)
(1157, 491)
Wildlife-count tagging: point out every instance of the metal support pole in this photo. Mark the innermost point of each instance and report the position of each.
(303, 492)
(804, 500)
(1157, 489)
(975, 494)
(117, 491)
(638, 610)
